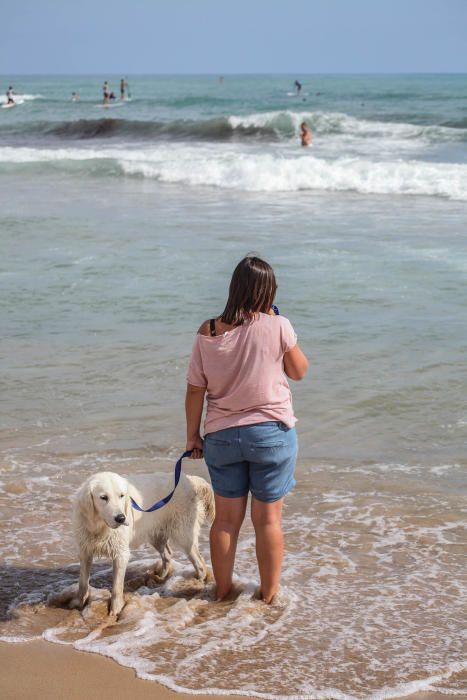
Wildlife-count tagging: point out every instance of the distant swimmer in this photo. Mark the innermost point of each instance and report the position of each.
(10, 95)
(106, 92)
(123, 87)
(75, 97)
(298, 86)
(305, 134)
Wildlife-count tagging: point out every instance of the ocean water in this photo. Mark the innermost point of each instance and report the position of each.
(119, 228)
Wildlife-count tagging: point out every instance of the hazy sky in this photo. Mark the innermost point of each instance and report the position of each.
(232, 36)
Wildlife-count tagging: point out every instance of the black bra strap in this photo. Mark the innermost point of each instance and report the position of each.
(212, 326)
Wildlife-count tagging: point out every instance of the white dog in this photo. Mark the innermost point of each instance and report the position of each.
(105, 524)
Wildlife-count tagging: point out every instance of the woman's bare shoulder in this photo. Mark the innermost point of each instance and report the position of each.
(204, 328)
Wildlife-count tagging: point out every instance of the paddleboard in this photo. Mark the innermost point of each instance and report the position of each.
(111, 105)
(12, 104)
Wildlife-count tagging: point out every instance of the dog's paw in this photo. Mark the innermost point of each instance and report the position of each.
(79, 602)
(209, 576)
(116, 606)
(205, 575)
(68, 598)
(159, 574)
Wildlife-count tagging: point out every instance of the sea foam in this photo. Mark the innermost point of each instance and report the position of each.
(284, 171)
(24, 98)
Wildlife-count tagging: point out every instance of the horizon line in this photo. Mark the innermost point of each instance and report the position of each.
(220, 73)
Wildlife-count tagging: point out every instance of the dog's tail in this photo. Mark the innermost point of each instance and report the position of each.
(205, 495)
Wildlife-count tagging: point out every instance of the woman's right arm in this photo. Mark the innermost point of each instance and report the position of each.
(194, 401)
(295, 363)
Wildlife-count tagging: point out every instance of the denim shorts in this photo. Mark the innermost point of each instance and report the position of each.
(259, 458)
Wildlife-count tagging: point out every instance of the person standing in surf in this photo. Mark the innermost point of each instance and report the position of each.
(241, 360)
(305, 134)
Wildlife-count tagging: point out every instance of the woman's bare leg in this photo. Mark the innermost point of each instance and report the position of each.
(230, 513)
(267, 521)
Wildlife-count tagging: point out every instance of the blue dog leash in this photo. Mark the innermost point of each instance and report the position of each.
(166, 499)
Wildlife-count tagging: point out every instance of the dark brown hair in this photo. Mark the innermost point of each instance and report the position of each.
(252, 289)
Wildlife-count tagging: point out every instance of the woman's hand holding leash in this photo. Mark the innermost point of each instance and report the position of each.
(196, 445)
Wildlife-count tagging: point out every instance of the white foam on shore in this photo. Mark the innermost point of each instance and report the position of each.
(373, 579)
(117, 652)
(20, 639)
(329, 598)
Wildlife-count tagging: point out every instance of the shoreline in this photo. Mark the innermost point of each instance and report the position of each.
(48, 671)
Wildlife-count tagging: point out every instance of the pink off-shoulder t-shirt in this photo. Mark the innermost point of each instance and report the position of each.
(243, 373)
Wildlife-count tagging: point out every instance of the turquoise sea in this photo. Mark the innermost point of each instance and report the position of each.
(119, 229)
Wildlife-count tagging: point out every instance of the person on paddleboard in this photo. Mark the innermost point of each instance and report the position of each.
(106, 92)
(10, 93)
(123, 86)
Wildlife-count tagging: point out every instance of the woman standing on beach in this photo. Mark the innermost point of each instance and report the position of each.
(240, 359)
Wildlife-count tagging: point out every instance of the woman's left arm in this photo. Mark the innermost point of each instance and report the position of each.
(194, 402)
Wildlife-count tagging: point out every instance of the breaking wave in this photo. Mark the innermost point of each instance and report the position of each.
(265, 173)
(218, 129)
(229, 168)
(268, 126)
(287, 123)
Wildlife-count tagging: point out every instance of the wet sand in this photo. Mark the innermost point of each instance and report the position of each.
(45, 671)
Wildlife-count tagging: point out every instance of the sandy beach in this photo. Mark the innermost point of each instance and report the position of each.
(42, 670)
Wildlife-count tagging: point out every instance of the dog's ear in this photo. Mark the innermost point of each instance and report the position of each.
(86, 505)
(127, 509)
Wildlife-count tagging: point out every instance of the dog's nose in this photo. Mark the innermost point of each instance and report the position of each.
(120, 518)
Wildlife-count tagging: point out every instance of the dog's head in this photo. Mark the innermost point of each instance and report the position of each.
(104, 496)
